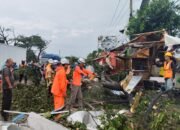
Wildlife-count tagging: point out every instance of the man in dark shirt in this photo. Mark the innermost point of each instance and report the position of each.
(7, 85)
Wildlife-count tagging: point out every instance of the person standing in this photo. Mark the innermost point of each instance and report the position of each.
(59, 85)
(76, 92)
(23, 72)
(7, 85)
(49, 75)
(169, 71)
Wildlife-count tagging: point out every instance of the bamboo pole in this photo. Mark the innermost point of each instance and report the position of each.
(26, 113)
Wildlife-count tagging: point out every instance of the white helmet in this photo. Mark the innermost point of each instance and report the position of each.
(56, 61)
(51, 61)
(64, 61)
(81, 60)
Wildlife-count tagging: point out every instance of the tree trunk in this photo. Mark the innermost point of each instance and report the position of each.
(39, 54)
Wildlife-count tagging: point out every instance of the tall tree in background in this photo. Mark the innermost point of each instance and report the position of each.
(26, 42)
(72, 59)
(39, 43)
(7, 36)
(30, 43)
(157, 15)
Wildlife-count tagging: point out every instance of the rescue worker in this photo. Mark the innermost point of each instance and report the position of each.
(59, 86)
(58, 66)
(23, 72)
(169, 71)
(76, 92)
(49, 75)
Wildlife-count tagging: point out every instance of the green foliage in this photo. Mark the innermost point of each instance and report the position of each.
(119, 76)
(164, 115)
(76, 126)
(159, 121)
(72, 59)
(30, 56)
(178, 80)
(6, 36)
(164, 120)
(113, 122)
(159, 14)
(30, 42)
(32, 98)
(34, 74)
(24, 42)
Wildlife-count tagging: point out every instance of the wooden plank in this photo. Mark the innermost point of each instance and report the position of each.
(147, 33)
(124, 83)
(133, 83)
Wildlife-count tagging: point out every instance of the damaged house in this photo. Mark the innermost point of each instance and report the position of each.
(137, 57)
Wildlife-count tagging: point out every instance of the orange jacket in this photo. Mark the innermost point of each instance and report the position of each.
(60, 82)
(49, 71)
(67, 71)
(78, 73)
(58, 68)
(168, 72)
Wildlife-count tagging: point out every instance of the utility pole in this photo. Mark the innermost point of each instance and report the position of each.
(131, 8)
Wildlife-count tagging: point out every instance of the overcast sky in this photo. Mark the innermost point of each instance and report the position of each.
(72, 26)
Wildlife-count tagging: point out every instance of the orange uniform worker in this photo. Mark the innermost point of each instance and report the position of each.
(59, 86)
(49, 76)
(169, 71)
(76, 92)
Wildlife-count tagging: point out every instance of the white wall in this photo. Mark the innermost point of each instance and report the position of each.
(16, 53)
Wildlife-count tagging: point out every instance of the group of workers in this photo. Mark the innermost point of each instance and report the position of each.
(57, 82)
(56, 79)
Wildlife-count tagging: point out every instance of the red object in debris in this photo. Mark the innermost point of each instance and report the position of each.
(112, 56)
(102, 59)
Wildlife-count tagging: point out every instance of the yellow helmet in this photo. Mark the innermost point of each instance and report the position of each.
(169, 54)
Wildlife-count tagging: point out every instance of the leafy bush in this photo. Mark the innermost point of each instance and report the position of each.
(113, 122)
(32, 98)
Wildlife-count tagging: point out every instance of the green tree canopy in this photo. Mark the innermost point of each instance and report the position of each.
(30, 43)
(72, 59)
(157, 15)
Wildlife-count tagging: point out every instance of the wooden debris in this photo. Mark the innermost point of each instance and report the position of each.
(126, 81)
(89, 105)
(147, 33)
(57, 117)
(136, 101)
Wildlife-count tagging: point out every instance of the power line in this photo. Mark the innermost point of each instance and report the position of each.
(112, 20)
(115, 13)
(122, 17)
(121, 13)
(123, 10)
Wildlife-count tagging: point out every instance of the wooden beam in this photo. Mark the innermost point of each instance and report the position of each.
(147, 33)
(149, 42)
